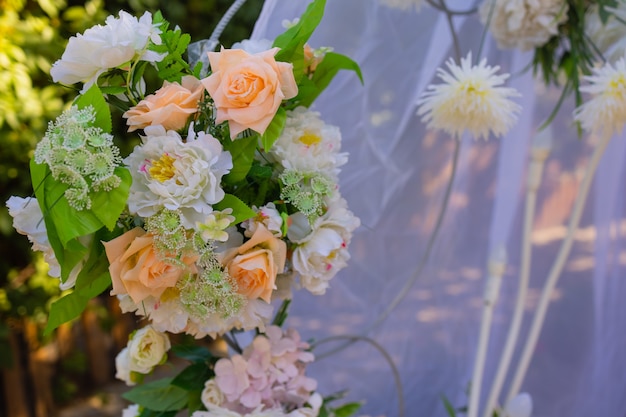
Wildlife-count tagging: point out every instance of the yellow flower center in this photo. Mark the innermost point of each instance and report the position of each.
(163, 168)
(310, 139)
(617, 85)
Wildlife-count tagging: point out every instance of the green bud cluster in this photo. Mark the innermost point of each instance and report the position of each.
(306, 191)
(79, 155)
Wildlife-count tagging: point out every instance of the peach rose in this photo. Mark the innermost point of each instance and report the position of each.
(255, 264)
(248, 88)
(137, 270)
(170, 106)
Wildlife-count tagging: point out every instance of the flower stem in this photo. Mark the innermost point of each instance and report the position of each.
(539, 154)
(557, 267)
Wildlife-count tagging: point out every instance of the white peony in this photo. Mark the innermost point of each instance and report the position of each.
(28, 221)
(523, 24)
(268, 216)
(307, 144)
(609, 38)
(169, 173)
(146, 349)
(102, 48)
(322, 249)
(211, 394)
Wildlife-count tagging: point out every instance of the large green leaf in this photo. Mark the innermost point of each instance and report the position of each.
(323, 75)
(94, 97)
(192, 353)
(193, 377)
(274, 130)
(292, 41)
(242, 151)
(72, 305)
(240, 210)
(159, 395)
(108, 205)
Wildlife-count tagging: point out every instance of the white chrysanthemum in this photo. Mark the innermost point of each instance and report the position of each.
(307, 144)
(403, 4)
(322, 249)
(168, 173)
(471, 98)
(101, 48)
(523, 24)
(605, 112)
(609, 38)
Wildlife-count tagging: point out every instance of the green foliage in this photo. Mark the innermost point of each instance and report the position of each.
(158, 395)
(173, 46)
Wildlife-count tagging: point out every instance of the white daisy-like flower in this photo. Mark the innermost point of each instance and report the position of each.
(403, 4)
(471, 98)
(523, 24)
(307, 144)
(101, 48)
(605, 112)
(175, 175)
(322, 248)
(609, 37)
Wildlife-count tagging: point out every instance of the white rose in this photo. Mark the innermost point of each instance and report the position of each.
(101, 48)
(146, 349)
(122, 367)
(176, 175)
(322, 251)
(211, 395)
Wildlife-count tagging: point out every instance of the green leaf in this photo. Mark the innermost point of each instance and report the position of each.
(192, 353)
(323, 75)
(108, 205)
(113, 90)
(151, 413)
(448, 405)
(242, 151)
(93, 97)
(72, 305)
(158, 395)
(240, 210)
(274, 130)
(193, 377)
(347, 410)
(195, 401)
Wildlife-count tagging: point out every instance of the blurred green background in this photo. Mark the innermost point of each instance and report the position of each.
(33, 35)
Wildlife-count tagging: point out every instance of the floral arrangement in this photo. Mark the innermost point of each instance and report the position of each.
(229, 201)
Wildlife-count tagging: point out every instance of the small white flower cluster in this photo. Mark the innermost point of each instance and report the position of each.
(523, 24)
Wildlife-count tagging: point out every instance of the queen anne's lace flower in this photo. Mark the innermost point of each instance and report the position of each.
(169, 173)
(101, 48)
(471, 98)
(523, 24)
(605, 112)
(609, 38)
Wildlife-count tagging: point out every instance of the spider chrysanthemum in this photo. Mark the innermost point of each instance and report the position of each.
(605, 112)
(471, 98)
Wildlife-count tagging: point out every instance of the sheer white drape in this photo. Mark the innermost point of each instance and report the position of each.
(394, 181)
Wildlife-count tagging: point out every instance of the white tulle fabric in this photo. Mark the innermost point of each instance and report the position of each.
(395, 180)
